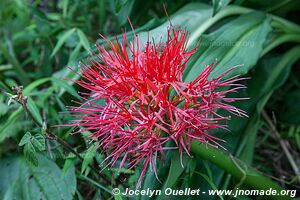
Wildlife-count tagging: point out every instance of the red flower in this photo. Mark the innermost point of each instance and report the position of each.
(147, 103)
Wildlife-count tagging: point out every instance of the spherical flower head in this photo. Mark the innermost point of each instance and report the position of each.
(147, 103)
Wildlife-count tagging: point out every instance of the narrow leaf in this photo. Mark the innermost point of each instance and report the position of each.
(34, 110)
(88, 157)
(62, 40)
(83, 40)
(33, 85)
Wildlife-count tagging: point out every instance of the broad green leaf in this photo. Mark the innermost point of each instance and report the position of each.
(83, 40)
(25, 139)
(20, 180)
(143, 29)
(62, 40)
(219, 5)
(269, 75)
(239, 42)
(190, 17)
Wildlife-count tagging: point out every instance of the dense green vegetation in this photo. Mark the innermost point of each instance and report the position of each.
(39, 39)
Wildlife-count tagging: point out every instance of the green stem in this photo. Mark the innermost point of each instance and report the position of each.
(224, 13)
(278, 6)
(286, 25)
(280, 40)
(22, 76)
(241, 171)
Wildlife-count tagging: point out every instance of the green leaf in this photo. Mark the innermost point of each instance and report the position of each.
(246, 148)
(25, 139)
(219, 5)
(9, 127)
(118, 197)
(88, 158)
(177, 167)
(83, 40)
(68, 162)
(63, 84)
(122, 9)
(66, 73)
(38, 142)
(9, 54)
(150, 180)
(54, 16)
(30, 153)
(102, 13)
(3, 108)
(34, 110)
(29, 88)
(74, 54)
(65, 7)
(191, 17)
(211, 184)
(20, 180)
(62, 40)
(268, 75)
(118, 4)
(239, 42)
